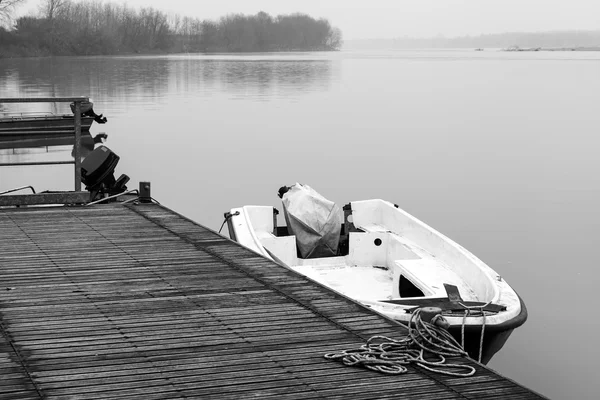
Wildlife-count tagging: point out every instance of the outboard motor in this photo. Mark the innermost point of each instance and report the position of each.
(87, 110)
(97, 173)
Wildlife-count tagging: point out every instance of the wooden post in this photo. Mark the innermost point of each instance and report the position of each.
(77, 148)
(275, 213)
(144, 192)
(230, 229)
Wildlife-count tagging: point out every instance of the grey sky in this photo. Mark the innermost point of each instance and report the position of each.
(394, 18)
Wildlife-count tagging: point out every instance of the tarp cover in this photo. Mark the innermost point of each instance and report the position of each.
(314, 220)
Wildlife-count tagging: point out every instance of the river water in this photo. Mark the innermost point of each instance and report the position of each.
(497, 150)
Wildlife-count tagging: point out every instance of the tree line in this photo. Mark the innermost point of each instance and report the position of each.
(93, 27)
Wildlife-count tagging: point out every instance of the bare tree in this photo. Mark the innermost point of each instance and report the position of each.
(51, 8)
(7, 7)
(334, 40)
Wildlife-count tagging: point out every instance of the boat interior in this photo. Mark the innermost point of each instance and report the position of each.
(383, 254)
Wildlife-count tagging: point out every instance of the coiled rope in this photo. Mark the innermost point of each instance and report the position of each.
(391, 356)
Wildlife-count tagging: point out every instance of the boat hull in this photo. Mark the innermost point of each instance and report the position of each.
(494, 336)
(51, 130)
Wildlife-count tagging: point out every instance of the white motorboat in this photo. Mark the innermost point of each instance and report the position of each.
(386, 259)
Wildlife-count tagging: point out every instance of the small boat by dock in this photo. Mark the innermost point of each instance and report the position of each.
(19, 130)
(386, 259)
(14, 124)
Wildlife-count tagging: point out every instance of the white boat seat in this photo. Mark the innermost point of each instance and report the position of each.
(282, 247)
(427, 274)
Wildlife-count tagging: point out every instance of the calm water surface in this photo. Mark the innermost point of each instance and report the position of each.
(497, 150)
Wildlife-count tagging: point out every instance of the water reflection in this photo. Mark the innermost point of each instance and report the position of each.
(153, 79)
(100, 78)
(151, 100)
(266, 79)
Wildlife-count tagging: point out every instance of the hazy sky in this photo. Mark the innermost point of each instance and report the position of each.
(394, 18)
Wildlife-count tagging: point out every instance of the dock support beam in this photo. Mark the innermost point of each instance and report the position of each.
(77, 147)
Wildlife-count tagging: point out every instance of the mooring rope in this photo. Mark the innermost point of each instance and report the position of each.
(462, 331)
(391, 356)
(462, 327)
(228, 215)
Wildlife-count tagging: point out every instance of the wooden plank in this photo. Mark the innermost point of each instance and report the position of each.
(44, 198)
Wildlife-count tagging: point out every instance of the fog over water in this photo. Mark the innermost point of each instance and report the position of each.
(497, 150)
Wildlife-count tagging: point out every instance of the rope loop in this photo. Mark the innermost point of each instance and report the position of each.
(227, 217)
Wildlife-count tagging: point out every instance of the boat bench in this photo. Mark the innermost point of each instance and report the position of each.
(280, 248)
(427, 273)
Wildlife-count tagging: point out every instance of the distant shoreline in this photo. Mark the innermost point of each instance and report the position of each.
(516, 48)
(526, 41)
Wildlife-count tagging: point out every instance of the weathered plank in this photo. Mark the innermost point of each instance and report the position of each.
(44, 198)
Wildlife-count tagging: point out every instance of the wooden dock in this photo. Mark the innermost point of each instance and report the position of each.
(138, 302)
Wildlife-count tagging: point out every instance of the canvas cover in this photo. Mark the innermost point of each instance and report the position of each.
(314, 220)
